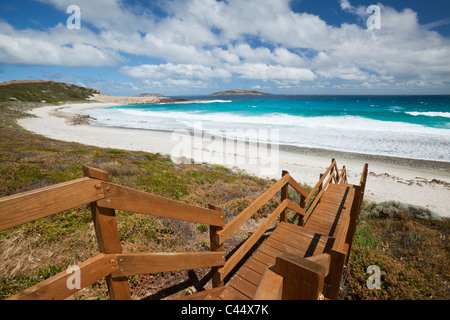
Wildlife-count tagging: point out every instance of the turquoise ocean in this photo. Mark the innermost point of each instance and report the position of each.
(416, 127)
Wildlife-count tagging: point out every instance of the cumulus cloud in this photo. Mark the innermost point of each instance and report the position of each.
(264, 72)
(175, 72)
(265, 40)
(55, 47)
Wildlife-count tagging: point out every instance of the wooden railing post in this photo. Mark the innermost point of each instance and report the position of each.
(215, 247)
(333, 280)
(321, 184)
(354, 216)
(107, 233)
(302, 279)
(301, 220)
(270, 287)
(284, 196)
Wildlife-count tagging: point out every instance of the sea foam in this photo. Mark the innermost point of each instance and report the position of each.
(345, 133)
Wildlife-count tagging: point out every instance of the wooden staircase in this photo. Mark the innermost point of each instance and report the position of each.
(297, 261)
(323, 240)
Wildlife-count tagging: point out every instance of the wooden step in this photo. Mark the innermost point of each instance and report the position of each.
(286, 238)
(335, 204)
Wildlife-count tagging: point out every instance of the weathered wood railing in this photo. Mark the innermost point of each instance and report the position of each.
(111, 263)
(114, 265)
(220, 235)
(297, 278)
(319, 189)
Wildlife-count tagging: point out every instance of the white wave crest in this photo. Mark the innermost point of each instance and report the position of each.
(429, 114)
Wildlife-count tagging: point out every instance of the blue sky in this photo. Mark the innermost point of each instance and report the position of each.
(181, 47)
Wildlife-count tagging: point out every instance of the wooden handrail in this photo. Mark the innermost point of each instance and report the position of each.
(32, 205)
(251, 241)
(293, 206)
(118, 265)
(319, 183)
(318, 197)
(239, 220)
(294, 184)
(145, 263)
(336, 169)
(114, 265)
(56, 288)
(363, 179)
(342, 233)
(343, 176)
(123, 198)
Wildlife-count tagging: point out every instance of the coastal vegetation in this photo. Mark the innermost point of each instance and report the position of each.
(408, 244)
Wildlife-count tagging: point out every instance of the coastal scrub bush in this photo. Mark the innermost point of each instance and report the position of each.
(410, 250)
(398, 210)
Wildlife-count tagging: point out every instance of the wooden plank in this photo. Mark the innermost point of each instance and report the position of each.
(250, 275)
(294, 184)
(304, 246)
(123, 198)
(144, 263)
(354, 215)
(300, 241)
(243, 286)
(317, 199)
(32, 205)
(240, 219)
(319, 183)
(323, 259)
(264, 258)
(270, 288)
(293, 206)
(232, 294)
(341, 233)
(302, 279)
(212, 296)
(202, 294)
(95, 173)
(251, 241)
(284, 247)
(270, 251)
(57, 288)
(296, 229)
(300, 235)
(256, 265)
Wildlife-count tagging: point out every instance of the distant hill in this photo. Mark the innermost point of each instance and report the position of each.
(239, 92)
(41, 90)
(150, 95)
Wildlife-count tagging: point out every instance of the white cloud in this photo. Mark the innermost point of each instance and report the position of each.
(175, 72)
(264, 72)
(56, 47)
(200, 40)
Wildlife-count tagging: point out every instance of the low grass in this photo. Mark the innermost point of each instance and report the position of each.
(29, 161)
(412, 251)
(50, 92)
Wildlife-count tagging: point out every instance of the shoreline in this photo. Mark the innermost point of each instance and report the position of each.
(419, 182)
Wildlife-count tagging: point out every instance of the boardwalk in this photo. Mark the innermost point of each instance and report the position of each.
(301, 261)
(331, 218)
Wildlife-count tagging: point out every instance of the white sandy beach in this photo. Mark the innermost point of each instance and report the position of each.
(422, 183)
